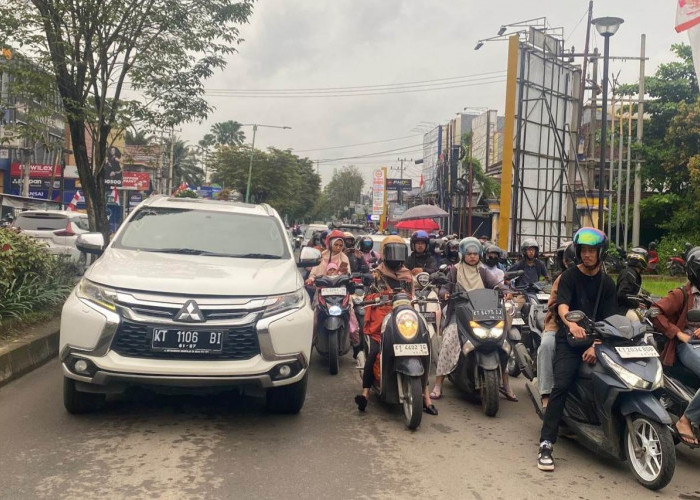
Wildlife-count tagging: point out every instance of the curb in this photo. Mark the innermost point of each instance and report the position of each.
(31, 351)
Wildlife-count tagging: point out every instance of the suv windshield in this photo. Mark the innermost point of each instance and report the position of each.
(201, 232)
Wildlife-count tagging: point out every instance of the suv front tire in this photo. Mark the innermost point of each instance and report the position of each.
(77, 402)
(288, 399)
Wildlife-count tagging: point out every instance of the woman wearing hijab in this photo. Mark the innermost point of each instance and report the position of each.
(333, 254)
(466, 276)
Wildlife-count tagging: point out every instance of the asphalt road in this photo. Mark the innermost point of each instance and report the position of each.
(225, 446)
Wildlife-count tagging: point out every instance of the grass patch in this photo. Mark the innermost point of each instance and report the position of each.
(13, 328)
(659, 286)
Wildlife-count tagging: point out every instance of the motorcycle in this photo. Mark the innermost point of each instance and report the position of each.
(680, 384)
(675, 264)
(332, 336)
(427, 303)
(402, 366)
(529, 325)
(481, 324)
(612, 408)
(653, 262)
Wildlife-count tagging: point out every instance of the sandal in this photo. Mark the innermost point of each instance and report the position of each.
(436, 393)
(509, 396)
(687, 439)
(430, 410)
(361, 402)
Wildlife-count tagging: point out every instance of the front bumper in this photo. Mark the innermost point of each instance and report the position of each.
(87, 332)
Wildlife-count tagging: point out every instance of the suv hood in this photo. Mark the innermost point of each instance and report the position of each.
(194, 274)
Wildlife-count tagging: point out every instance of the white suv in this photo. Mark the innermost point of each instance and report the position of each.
(190, 293)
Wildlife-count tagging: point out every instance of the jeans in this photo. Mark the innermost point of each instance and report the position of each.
(545, 363)
(567, 361)
(693, 410)
(689, 355)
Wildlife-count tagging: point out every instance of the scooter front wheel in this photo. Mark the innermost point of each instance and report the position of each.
(513, 367)
(489, 392)
(654, 460)
(412, 388)
(333, 352)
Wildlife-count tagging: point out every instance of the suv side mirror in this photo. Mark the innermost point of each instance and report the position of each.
(309, 257)
(92, 243)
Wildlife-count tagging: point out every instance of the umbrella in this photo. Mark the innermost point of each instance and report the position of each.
(416, 224)
(423, 212)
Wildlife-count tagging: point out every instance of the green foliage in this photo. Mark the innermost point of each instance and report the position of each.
(226, 134)
(345, 187)
(30, 278)
(671, 245)
(186, 193)
(280, 178)
(491, 187)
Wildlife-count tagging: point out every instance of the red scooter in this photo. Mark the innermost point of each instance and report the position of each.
(653, 263)
(675, 264)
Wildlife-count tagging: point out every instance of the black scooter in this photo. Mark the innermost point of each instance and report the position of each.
(402, 367)
(612, 409)
(529, 329)
(332, 336)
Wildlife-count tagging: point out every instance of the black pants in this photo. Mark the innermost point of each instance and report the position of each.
(368, 372)
(567, 361)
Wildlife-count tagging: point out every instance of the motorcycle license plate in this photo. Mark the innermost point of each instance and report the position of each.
(543, 296)
(429, 317)
(637, 351)
(333, 291)
(518, 322)
(410, 349)
(187, 340)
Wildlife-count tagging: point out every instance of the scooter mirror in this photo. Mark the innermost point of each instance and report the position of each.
(512, 274)
(575, 316)
(423, 279)
(694, 315)
(443, 268)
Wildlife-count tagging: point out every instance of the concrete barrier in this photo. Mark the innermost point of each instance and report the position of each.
(34, 348)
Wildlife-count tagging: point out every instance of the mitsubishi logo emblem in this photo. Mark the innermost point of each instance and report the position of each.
(190, 313)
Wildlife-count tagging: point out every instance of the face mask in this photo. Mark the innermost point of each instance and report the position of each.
(491, 261)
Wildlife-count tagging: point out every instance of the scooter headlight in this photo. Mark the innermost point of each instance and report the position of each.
(484, 332)
(407, 323)
(335, 311)
(658, 378)
(632, 380)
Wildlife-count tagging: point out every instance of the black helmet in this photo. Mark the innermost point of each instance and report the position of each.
(638, 257)
(491, 249)
(592, 237)
(566, 253)
(394, 252)
(529, 243)
(366, 244)
(686, 249)
(419, 236)
(692, 266)
(652, 245)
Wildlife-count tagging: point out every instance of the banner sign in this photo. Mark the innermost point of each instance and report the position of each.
(135, 199)
(394, 184)
(137, 181)
(36, 170)
(378, 191)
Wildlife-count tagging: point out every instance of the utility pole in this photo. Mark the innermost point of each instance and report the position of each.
(401, 169)
(619, 174)
(640, 133)
(594, 112)
(172, 151)
(252, 152)
(629, 168)
(612, 160)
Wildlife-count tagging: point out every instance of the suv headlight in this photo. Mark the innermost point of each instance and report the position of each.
(632, 380)
(484, 332)
(280, 303)
(97, 294)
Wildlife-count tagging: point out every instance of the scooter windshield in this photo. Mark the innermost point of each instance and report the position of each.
(619, 326)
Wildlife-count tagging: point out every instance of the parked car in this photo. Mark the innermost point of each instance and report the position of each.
(59, 229)
(190, 293)
(310, 230)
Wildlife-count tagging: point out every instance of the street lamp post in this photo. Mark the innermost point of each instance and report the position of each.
(607, 27)
(252, 152)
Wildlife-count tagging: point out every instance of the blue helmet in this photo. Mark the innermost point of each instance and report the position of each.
(419, 236)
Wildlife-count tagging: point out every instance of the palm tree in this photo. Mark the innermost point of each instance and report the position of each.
(137, 138)
(185, 168)
(228, 133)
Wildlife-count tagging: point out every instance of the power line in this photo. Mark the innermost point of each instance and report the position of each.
(370, 155)
(358, 144)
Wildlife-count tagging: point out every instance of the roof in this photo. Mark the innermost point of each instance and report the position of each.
(213, 205)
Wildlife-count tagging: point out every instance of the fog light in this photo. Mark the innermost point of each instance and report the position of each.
(81, 366)
(285, 371)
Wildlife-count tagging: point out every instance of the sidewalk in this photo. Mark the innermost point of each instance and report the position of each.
(38, 345)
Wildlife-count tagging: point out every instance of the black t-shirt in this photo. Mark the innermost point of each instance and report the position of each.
(423, 260)
(532, 272)
(580, 291)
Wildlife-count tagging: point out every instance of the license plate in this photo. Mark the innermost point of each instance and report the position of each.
(637, 351)
(333, 291)
(187, 340)
(410, 349)
(518, 322)
(429, 317)
(543, 296)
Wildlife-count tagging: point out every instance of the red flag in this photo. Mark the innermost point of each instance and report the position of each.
(115, 195)
(71, 207)
(420, 184)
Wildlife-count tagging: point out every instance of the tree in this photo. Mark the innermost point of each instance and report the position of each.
(164, 48)
(137, 138)
(228, 133)
(345, 187)
(185, 168)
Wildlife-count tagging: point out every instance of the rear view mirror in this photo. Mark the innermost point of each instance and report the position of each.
(513, 274)
(423, 279)
(443, 268)
(309, 257)
(575, 316)
(694, 315)
(92, 243)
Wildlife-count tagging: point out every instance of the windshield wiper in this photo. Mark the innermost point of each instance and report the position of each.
(188, 251)
(256, 256)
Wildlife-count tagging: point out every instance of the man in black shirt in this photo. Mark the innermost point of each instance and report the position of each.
(584, 288)
(529, 263)
(629, 282)
(420, 259)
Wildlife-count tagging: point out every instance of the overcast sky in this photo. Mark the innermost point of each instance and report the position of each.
(311, 44)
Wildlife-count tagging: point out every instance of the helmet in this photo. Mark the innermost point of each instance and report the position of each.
(349, 239)
(470, 245)
(322, 238)
(638, 257)
(366, 244)
(687, 248)
(652, 245)
(692, 266)
(566, 253)
(593, 237)
(334, 235)
(419, 236)
(491, 249)
(529, 243)
(394, 252)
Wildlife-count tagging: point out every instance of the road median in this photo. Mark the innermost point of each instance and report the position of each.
(31, 349)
